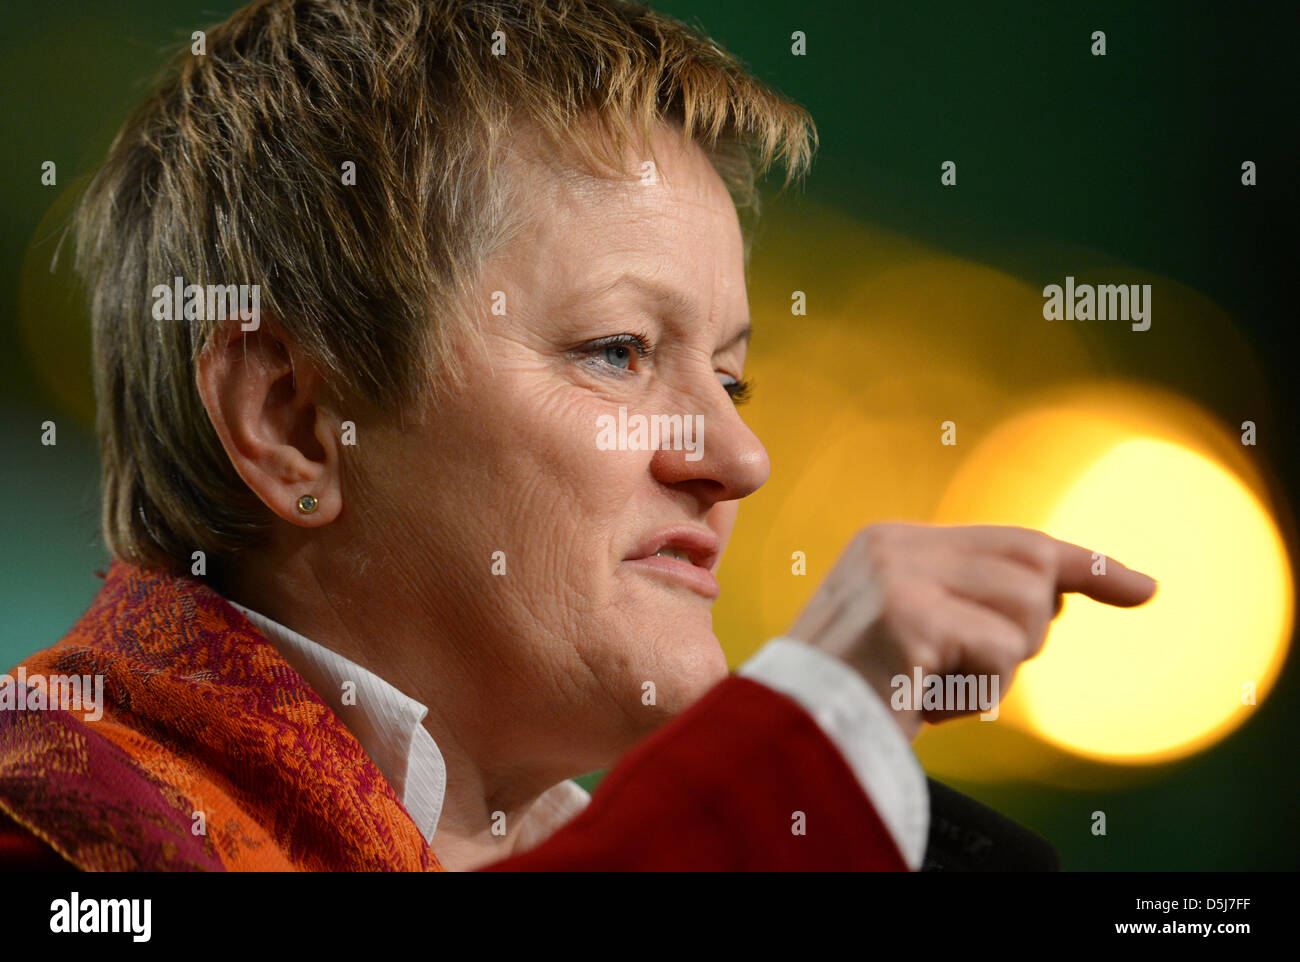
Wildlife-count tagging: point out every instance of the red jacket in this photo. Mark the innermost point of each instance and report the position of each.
(213, 754)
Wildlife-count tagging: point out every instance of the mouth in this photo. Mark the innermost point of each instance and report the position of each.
(684, 555)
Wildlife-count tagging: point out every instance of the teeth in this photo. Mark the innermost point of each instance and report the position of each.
(672, 553)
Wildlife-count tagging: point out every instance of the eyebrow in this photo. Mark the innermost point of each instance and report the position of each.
(674, 301)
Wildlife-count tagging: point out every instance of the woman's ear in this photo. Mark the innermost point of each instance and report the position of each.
(269, 407)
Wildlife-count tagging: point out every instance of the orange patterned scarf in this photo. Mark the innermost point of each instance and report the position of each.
(212, 753)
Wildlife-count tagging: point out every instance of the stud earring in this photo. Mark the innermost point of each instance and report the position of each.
(307, 503)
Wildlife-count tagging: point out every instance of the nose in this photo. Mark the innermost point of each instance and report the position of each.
(716, 457)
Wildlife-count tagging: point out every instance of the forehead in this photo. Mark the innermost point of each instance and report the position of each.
(669, 217)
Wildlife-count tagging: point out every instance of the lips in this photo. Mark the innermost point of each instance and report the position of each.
(682, 553)
(700, 545)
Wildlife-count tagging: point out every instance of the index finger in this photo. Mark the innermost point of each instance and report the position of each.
(1072, 565)
(1099, 577)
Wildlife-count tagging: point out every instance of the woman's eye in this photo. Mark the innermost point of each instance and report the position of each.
(618, 355)
(617, 351)
(739, 391)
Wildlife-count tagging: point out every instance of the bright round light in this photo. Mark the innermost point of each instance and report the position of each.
(1168, 678)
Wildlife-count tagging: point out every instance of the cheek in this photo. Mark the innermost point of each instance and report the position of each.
(538, 479)
(557, 453)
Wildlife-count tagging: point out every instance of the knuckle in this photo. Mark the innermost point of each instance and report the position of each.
(927, 656)
(881, 534)
(909, 619)
(882, 547)
(1040, 551)
(905, 595)
(934, 650)
(940, 645)
(1037, 600)
(1019, 645)
(1003, 644)
(870, 538)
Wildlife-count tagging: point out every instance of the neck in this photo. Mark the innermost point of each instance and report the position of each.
(487, 798)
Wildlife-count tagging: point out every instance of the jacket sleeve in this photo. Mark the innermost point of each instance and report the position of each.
(744, 779)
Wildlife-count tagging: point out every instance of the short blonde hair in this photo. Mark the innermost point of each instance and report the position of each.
(231, 172)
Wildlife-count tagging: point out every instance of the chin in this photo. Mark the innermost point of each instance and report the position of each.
(682, 673)
(692, 666)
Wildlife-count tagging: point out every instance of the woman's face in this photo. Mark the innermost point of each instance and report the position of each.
(528, 517)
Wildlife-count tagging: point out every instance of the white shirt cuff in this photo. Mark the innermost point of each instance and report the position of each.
(862, 728)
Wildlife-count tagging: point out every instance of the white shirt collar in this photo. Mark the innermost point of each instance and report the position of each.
(387, 723)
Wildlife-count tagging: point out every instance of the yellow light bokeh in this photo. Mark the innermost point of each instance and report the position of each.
(1166, 679)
